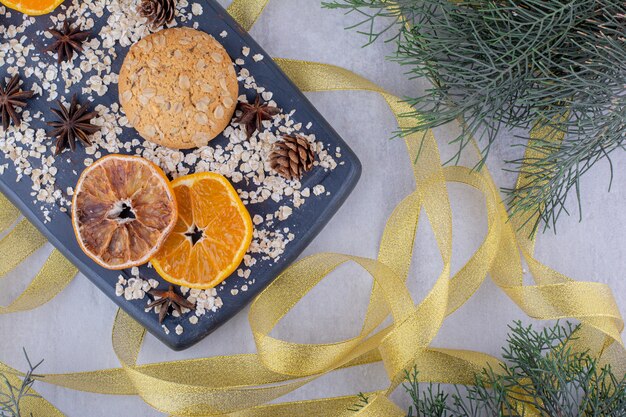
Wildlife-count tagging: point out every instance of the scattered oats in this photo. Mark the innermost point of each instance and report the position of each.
(179, 330)
(119, 290)
(319, 189)
(237, 177)
(284, 212)
(134, 288)
(234, 291)
(165, 329)
(243, 160)
(196, 9)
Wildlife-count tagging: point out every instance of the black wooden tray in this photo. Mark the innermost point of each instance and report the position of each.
(305, 222)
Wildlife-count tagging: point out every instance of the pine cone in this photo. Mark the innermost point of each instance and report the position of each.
(158, 12)
(292, 157)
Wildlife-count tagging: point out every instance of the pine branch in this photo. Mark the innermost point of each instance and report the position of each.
(11, 395)
(432, 402)
(541, 372)
(504, 64)
(363, 400)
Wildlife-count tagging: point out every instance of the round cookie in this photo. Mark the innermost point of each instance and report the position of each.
(178, 88)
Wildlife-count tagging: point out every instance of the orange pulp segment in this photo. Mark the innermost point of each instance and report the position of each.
(32, 7)
(213, 233)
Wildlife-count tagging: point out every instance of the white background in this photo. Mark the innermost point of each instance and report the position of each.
(73, 331)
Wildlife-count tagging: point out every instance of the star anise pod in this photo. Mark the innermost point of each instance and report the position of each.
(10, 97)
(158, 12)
(68, 40)
(74, 124)
(252, 115)
(169, 299)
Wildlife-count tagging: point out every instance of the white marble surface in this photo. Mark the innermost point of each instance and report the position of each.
(73, 331)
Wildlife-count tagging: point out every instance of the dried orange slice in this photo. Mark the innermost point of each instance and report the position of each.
(32, 7)
(123, 210)
(213, 233)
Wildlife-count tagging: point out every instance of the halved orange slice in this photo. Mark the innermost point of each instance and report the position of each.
(213, 233)
(122, 211)
(32, 7)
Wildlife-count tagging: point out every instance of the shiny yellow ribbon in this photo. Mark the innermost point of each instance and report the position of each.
(17, 245)
(242, 385)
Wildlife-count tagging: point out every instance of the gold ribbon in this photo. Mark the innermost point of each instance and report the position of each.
(18, 244)
(242, 385)
(54, 275)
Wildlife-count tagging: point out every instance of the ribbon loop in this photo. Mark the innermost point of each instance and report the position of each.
(242, 385)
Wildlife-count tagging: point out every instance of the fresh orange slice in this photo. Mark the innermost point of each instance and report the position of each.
(213, 233)
(32, 7)
(122, 211)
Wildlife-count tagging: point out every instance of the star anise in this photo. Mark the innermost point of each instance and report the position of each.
(169, 299)
(10, 97)
(68, 40)
(253, 115)
(74, 124)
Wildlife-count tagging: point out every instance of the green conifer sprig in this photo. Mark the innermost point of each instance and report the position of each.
(11, 395)
(541, 372)
(508, 64)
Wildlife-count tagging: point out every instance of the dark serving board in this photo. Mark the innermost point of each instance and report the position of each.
(305, 222)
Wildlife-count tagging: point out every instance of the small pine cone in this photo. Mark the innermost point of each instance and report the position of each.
(292, 157)
(158, 12)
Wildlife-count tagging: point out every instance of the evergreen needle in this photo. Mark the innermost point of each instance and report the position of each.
(542, 375)
(508, 64)
(11, 395)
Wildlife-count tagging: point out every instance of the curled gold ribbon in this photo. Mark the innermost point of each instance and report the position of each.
(8, 213)
(242, 385)
(19, 244)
